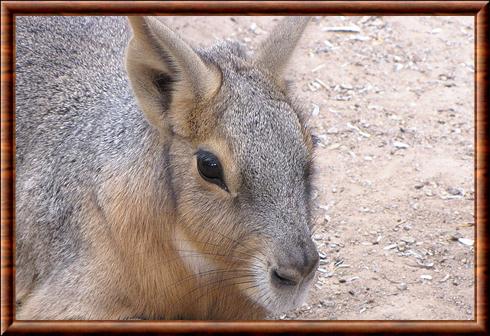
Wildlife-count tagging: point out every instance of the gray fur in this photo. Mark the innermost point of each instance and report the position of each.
(73, 114)
(79, 128)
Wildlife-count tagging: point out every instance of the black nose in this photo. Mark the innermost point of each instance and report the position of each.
(291, 271)
(285, 277)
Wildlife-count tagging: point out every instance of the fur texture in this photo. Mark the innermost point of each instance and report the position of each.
(113, 219)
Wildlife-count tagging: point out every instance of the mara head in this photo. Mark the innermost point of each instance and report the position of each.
(240, 158)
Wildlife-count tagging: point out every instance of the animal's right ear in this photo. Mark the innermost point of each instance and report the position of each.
(166, 74)
(275, 51)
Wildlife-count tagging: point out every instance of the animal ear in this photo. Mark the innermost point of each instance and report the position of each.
(275, 51)
(166, 74)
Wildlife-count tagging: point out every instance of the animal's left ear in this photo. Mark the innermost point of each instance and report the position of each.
(275, 52)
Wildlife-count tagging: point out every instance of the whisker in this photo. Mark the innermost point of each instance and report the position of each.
(219, 281)
(205, 273)
(229, 238)
(194, 254)
(201, 242)
(215, 288)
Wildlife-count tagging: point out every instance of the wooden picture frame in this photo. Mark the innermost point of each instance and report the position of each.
(9, 9)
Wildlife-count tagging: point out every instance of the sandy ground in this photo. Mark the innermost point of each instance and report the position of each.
(391, 105)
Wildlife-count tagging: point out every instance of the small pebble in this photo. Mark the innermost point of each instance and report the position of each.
(466, 241)
(445, 278)
(389, 247)
(351, 29)
(326, 303)
(315, 111)
(402, 286)
(400, 145)
(328, 45)
(454, 191)
(408, 240)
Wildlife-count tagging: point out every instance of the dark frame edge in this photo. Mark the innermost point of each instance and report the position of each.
(482, 94)
(7, 169)
(256, 327)
(247, 7)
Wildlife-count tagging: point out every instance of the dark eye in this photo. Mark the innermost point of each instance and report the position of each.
(210, 169)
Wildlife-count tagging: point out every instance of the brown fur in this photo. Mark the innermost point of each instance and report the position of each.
(157, 241)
